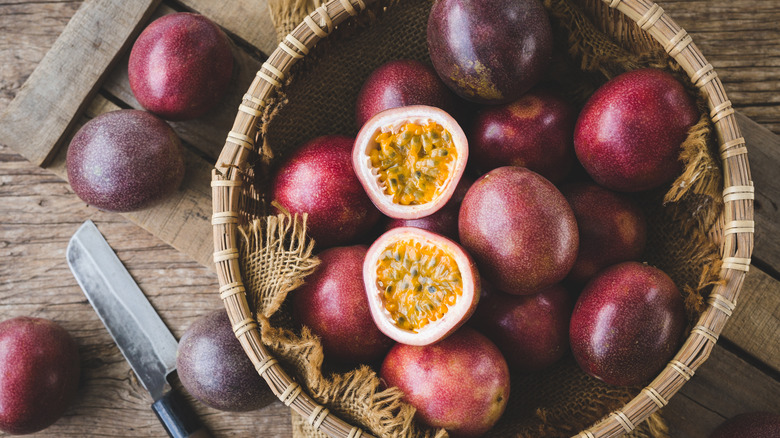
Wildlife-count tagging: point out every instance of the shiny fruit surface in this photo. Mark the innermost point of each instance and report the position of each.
(460, 384)
(629, 133)
(318, 179)
(627, 324)
(520, 230)
(333, 304)
(489, 51)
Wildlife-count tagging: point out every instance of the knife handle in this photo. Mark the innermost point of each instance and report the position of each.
(178, 417)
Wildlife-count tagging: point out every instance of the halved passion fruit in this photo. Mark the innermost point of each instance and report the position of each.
(421, 286)
(410, 159)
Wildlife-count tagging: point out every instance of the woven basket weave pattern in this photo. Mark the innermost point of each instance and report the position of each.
(734, 231)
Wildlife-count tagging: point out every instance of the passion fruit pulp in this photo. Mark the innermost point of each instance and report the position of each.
(410, 159)
(421, 286)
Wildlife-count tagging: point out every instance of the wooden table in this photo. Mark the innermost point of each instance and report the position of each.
(39, 213)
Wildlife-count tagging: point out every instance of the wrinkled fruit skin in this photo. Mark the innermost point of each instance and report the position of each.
(489, 51)
(444, 221)
(460, 383)
(39, 374)
(520, 230)
(402, 83)
(535, 131)
(612, 229)
(749, 424)
(319, 179)
(180, 66)
(125, 160)
(333, 304)
(629, 133)
(627, 324)
(532, 331)
(214, 368)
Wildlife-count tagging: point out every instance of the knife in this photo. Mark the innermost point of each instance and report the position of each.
(137, 329)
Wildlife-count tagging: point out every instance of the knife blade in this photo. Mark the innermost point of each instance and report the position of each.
(142, 337)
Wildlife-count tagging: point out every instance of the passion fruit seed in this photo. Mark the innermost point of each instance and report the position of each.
(413, 164)
(418, 282)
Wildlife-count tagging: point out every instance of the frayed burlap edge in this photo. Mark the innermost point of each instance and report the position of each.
(276, 256)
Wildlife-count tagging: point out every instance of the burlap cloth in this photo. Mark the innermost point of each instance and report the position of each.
(593, 43)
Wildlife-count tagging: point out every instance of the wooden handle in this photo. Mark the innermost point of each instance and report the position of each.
(178, 417)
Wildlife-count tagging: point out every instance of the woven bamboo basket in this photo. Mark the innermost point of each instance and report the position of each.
(733, 231)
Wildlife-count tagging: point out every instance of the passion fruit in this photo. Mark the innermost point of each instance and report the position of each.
(461, 384)
(410, 159)
(318, 179)
(421, 286)
(520, 229)
(402, 82)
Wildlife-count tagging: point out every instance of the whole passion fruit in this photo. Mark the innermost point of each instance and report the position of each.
(333, 304)
(629, 133)
(520, 229)
(489, 51)
(421, 286)
(410, 160)
(535, 131)
(461, 383)
(400, 83)
(627, 324)
(318, 179)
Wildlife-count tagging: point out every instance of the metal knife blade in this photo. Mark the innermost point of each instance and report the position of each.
(135, 326)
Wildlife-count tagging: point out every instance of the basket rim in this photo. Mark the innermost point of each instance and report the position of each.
(735, 228)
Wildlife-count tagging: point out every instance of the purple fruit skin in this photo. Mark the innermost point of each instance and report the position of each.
(612, 229)
(750, 425)
(39, 374)
(334, 305)
(319, 179)
(214, 368)
(535, 131)
(125, 160)
(627, 324)
(444, 221)
(489, 51)
(629, 133)
(402, 83)
(532, 331)
(460, 383)
(180, 66)
(520, 230)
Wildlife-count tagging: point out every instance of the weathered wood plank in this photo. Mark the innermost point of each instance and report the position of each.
(182, 220)
(247, 19)
(764, 157)
(207, 133)
(40, 214)
(741, 39)
(50, 102)
(723, 387)
(756, 318)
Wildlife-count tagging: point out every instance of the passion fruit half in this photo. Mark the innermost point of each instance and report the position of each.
(421, 286)
(410, 159)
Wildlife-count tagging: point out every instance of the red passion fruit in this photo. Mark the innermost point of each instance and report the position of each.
(400, 83)
(410, 159)
(461, 383)
(421, 286)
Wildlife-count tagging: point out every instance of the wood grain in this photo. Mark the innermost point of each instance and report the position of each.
(36, 121)
(40, 214)
(723, 387)
(246, 19)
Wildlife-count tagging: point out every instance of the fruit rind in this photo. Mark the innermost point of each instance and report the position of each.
(393, 119)
(456, 315)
